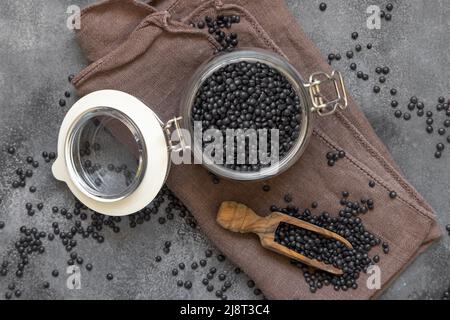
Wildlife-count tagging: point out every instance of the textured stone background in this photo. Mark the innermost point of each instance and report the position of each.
(37, 53)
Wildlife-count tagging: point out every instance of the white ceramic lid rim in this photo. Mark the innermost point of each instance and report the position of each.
(154, 140)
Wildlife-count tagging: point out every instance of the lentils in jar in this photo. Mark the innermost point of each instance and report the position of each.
(249, 95)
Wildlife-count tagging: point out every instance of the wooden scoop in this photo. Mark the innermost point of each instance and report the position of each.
(238, 217)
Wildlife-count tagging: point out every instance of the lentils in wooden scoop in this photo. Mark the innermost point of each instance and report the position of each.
(351, 261)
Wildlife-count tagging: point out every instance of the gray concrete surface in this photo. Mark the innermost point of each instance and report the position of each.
(37, 53)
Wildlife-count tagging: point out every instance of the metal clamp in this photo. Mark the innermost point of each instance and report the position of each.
(321, 104)
(168, 129)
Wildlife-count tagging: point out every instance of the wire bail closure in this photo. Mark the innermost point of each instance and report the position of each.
(174, 125)
(321, 104)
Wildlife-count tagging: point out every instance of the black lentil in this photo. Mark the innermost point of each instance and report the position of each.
(288, 198)
(188, 284)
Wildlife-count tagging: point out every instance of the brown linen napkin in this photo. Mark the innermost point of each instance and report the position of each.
(151, 52)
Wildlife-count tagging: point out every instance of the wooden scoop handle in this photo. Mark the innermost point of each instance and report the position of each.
(237, 217)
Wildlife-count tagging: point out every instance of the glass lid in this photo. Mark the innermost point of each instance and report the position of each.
(112, 153)
(107, 153)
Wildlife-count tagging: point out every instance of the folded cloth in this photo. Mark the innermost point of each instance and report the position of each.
(151, 51)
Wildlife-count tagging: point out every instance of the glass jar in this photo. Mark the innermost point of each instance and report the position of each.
(311, 101)
(114, 151)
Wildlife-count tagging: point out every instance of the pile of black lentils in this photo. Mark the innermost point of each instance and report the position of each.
(227, 41)
(436, 122)
(247, 95)
(349, 225)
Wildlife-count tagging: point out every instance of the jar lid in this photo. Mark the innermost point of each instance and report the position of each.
(112, 153)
